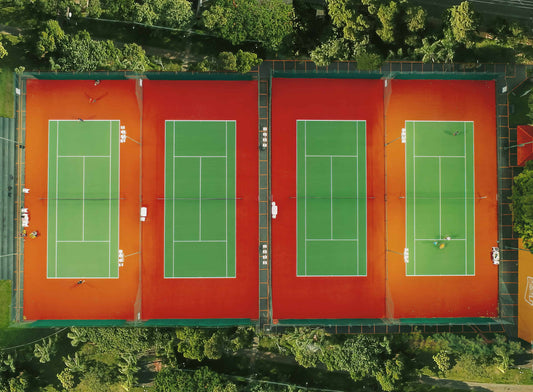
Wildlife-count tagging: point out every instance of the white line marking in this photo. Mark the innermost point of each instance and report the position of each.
(414, 201)
(109, 236)
(200, 156)
(200, 240)
(226, 192)
(466, 209)
(331, 155)
(11, 254)
(84, 156)
(357, 194)
(83, 199)
(200, 204)
(84, 241)
(173, 197)
(439, 239)
(305, 196)
(331, 196)
(57, 187)
(440, 197)
(332, 239)
(439, 156)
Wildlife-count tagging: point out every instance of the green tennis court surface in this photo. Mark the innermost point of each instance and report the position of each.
(331, 198)
(83, 199)
(200, 199)
(440, 198)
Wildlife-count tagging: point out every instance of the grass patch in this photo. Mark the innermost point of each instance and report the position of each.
(520, 104)
(6, 92)
(5, 303)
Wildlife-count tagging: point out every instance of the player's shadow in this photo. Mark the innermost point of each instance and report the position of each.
(453, 133)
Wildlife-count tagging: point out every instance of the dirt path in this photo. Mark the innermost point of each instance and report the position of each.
(476, 386)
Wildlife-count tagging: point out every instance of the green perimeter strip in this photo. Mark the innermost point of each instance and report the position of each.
(80, 75)
(313, 74)
(197, 76)
(331, 322)
(200, 203)
(331, 198)
(440, 198)
(73, 323)
(198, 322)
(83, 234)
(445, 75)
(453, 321)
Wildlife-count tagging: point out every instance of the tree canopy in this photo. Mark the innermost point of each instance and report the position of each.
(268, 21)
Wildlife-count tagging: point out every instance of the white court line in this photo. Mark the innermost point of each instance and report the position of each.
(440, 197)
(57, 182)
(173, 198)
(200, 156)
(305, 196)
(332, 239)
(226, 191)
(109, 236)
(439, 239)
(11, 254)
(414, 201)
(84, 156)
(330, 156)
(357, 192)
(200, 203)
(439, 156)
(331, 195)
(200, 240)
(85, 241)
(466, 210)
(83, 199)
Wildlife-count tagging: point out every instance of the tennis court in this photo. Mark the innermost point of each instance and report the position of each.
(440, 198)
(83, 199)
(200, 199)
(331, 198)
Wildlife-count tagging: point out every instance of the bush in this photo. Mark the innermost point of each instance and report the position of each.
(522, 205)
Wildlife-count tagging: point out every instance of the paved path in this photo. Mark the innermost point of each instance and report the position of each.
(517, 9)
(475, 386)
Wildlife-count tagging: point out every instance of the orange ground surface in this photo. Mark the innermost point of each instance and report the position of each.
(160, 298)
(385, 291)
(201, 298)
(321, 297)
(469, 296)
(63, 298)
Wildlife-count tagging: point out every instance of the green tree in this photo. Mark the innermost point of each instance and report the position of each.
(175, 13)
(246, 61)
(268, 21)
(50, 38)
(66, 378)
(45, 350)
(191, 342)
(463, 22)
(522, 205)
(77, 336)
(227, 61)
(388, 15)
(75, 364)
(306, 345)
(3, 51)
(443, 361)
(134, 58)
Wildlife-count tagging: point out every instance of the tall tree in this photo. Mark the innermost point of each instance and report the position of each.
(463, 22)
(268, 21)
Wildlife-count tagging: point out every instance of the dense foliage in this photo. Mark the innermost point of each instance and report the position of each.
(193, 359)
(522, 205)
